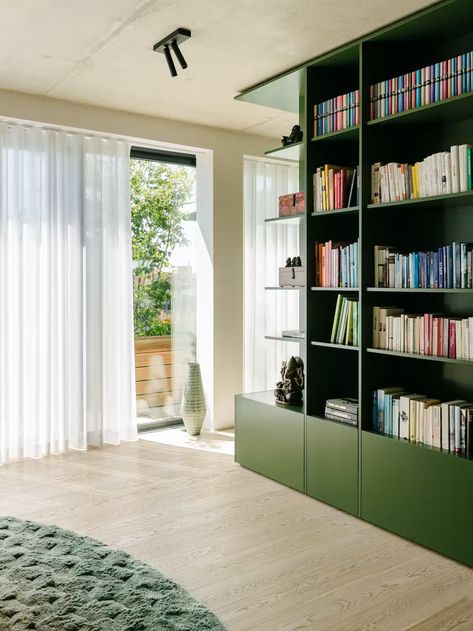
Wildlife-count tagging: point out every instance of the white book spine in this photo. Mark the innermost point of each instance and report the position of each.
(457, 428)
(445, 437)
(455, 169)
(395, 413)
(404, 417)
(470, 338)
(462, 156)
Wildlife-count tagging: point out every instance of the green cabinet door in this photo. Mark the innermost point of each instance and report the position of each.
(332, 463)
(269, 439)
(419, 493)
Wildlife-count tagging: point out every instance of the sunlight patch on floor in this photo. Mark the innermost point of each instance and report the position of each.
(216, 442)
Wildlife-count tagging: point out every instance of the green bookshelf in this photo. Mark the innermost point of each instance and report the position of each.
(418, 492)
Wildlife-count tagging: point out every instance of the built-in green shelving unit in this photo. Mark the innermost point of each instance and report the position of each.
(418, 492)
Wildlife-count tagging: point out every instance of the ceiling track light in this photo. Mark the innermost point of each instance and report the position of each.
(173, 40)
(171, 66)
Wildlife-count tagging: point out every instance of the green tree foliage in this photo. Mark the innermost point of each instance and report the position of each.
(158, 194)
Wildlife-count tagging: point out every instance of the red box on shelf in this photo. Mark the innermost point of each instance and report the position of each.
(292, 204)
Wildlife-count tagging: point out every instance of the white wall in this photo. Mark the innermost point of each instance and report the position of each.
(228, 148)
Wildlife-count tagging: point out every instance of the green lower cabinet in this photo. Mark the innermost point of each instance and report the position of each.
(269, 439)
(419, 493)
(332, 463)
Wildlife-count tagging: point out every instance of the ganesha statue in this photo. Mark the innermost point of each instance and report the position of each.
(288, 391)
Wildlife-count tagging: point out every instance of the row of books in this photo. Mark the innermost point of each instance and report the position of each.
(335, 187)
(426, 334)
(448, 267)
(420, 419)
(441, 173)
(339, 112)
(336, 264)
(345, 322)
(436, 82)
(343, 410)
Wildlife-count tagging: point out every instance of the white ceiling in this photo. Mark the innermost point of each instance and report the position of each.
(100, 51)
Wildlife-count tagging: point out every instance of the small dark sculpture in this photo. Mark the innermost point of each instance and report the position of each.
(296, 135)
(294, 262)
(289, 390)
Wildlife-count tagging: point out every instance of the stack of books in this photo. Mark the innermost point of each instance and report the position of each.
(426, 334)
(336, 264)
(344, 410)
(449, 267)
(345, 322)
(421, 419)
(337, 113)
(423, 86)
(438, 174)
(335, 188)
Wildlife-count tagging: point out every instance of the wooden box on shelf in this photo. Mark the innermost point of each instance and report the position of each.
(292, 204)
(292, 276)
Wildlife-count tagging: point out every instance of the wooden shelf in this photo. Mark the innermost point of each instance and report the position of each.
(339, 211)
(345, 347)
(436, 201)
(418, 290)
(347, 134)
(290, 152)
(457, 107)
(445, 360)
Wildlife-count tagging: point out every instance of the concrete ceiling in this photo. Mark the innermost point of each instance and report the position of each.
(100, 51)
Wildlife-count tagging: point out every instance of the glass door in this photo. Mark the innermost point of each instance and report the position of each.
(163, 215)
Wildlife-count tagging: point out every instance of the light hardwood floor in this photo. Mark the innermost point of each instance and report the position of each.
(262, 557)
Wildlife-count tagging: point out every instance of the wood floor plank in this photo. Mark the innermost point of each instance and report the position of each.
(263, 557)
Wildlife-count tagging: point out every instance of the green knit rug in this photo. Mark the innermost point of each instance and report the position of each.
(54, 580)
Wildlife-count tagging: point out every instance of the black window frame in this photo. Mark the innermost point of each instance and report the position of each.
(160, 155)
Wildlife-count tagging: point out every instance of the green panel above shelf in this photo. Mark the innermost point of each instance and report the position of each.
(281, 92)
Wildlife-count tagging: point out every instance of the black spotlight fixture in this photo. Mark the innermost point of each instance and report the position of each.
(173, 40)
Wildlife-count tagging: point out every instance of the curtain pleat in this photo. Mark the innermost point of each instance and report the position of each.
(66, 314)
(266, 247)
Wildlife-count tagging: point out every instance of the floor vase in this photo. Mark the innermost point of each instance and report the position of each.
(193, 408)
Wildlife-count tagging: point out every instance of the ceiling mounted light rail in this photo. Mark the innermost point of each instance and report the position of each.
(173, 40)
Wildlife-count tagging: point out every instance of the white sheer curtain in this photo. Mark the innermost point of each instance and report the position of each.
(266, 247)
(66, 315)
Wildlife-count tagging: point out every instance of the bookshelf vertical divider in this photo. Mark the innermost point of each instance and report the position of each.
(418, 492)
